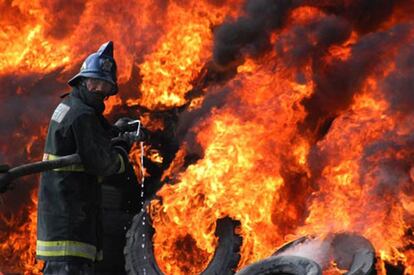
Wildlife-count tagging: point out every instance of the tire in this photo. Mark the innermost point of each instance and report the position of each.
(292, 244)
(349, 251)
(139, 253)
(353, 253)
(282, 265)
(227, 255)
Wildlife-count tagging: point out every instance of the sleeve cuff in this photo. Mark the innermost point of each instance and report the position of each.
(123, 158)
(122, 166)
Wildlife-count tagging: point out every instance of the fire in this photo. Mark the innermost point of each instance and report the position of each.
(17, 240)
(303, 126)
(111, 103)
(347, 201)
(236, 141)
(39, 56)
(166, 77)
(24, 47)
(248, 66)
(235, 162)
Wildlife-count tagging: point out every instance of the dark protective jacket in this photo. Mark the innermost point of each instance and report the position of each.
(69, 218)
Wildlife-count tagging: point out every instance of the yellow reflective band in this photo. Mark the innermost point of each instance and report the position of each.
(62, 253)
(122, 166)
(67, 248)
(69, 168)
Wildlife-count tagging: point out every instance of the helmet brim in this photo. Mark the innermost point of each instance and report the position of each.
(93, 74)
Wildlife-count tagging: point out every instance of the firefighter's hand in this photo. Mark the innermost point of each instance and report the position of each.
(123, 125)
(125, 140)
(142, 135)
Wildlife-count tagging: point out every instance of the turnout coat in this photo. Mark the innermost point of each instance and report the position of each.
(69, 212)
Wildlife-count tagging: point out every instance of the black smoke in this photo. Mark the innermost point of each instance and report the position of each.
(337, 83)
(387, 163)
(250, 33)
(26, 103)
(364, 15)
(398, 87)
(311, 41)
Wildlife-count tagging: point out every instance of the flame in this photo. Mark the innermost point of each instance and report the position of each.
(112, 102)
(22, 238)
(259, 163)
(166, 77)
(353, 206)
(176, 165)
(249, 146)
(235, 162)
(248, 66)
(154, 156)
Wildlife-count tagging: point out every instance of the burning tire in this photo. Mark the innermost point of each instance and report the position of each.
(354, 253)
(349, 251)
(283, 265)
(292, 244)
(139, 253)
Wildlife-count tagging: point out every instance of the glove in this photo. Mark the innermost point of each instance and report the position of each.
(142, 135)
(125, 140)
(123, 125)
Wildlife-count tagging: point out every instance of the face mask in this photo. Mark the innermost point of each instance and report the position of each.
(95, 100)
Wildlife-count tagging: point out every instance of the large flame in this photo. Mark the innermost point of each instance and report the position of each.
(241, 158)
(304, 127)
(179, 55)
(257, 166)
(17, 248)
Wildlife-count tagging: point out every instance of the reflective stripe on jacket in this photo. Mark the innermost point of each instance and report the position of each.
(79, 167)
(68, 248)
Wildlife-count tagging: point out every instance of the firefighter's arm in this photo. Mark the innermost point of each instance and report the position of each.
(94, 147)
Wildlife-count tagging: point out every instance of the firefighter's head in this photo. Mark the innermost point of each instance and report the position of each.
(98, 72)
(98, 86)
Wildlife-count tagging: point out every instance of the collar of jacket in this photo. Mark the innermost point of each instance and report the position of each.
(91, 99)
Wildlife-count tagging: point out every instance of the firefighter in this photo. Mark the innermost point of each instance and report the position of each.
(69, 230)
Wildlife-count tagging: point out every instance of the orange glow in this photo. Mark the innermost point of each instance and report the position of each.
(258, 163)
(111, 103)
(154, 156)
(166, 77)
(248, 66)
(22, 239)
(236, 164)
(302, 15)
(343, 52)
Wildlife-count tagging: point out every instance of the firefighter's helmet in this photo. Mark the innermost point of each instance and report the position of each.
(100, 65)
